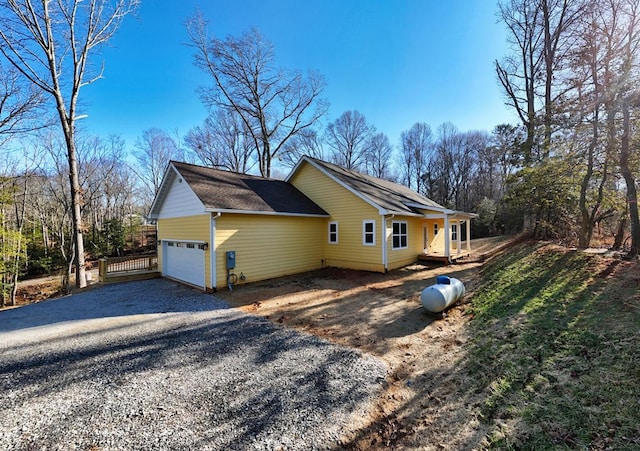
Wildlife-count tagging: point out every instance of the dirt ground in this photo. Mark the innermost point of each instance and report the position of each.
(42, 288)
(382, 315)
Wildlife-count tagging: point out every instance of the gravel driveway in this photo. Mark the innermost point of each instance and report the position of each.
(156, 365)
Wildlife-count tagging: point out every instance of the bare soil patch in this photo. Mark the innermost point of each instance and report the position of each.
(522, 367)
(31, 291)
(382, 315)
(40, 289)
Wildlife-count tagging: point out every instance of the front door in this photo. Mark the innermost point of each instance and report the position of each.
(425, 239)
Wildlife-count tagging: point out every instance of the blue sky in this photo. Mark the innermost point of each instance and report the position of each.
(396, 61)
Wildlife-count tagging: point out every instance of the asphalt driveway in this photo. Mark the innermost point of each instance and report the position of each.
(156, 365)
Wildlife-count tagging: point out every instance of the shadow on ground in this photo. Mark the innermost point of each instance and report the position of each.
(184, 372)
(127, 299)
(542, 353)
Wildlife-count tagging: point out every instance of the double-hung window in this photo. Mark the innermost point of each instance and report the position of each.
(454, 232)
(369, 233)
(333, 232)
(399, 235)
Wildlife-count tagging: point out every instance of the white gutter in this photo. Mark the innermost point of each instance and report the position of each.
(264, 213)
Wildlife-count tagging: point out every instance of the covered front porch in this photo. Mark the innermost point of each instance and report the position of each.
(450, 236)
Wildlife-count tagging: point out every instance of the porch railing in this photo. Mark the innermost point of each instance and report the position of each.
(120, 266)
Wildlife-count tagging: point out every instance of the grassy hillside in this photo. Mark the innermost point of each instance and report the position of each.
(555, 358)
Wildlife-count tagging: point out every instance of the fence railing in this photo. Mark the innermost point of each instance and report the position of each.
(113, 266)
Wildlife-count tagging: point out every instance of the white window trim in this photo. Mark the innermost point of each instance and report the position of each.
(329, 233)
(435, 229)
(400, 235)
(364, 232)
(454, 232)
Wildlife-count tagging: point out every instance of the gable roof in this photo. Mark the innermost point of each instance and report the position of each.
(224, 191)
(388, 197)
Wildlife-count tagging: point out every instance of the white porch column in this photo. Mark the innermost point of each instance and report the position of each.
(469, 235)
(459, 237)
(447, 237)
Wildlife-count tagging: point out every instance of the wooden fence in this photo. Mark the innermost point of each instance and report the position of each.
(121, 269)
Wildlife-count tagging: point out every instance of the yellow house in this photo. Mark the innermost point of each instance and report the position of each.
(218, 228)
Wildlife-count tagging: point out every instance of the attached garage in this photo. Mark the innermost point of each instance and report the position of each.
(184, 261)
(203, 213)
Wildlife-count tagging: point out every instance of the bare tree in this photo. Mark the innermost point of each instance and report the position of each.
(588, 80)
(518, 73)
(415, 146)
(155, 148)
(101, 163)
(274, 104)
(308, 142)
(449, 148)
(503, 157)
(604, 79)
(378, 157)
(559, 18)
(348, 137)
(538, 33)
(474, 157)
(51, 43)
(629, 96)
(21, 104)
(222, 142)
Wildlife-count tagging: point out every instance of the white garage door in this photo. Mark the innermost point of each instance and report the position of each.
(183, 261)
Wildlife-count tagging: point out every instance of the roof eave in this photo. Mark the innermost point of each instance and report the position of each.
(400, 213)
(265, 213)
(154, 211)
(420, 206)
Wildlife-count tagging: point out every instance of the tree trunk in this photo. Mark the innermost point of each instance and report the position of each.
(76, 191)
(13, 289)
(18, 245)
(549, 61)
(588, 218)
(632, 195)
(586, 225)
(622, 226)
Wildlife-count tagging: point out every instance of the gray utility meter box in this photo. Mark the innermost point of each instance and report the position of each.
(231, 259)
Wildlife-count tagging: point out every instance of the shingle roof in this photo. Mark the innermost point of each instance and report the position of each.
(389, 196)
(223, 190)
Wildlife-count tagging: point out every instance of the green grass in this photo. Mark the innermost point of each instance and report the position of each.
(555, 358)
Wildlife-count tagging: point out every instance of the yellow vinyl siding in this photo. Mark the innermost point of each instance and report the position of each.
(268, 246)
(189, 228)
(349, 211)
(398, 258)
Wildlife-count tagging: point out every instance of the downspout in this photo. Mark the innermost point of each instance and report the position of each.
(212, 251)
(385, 251)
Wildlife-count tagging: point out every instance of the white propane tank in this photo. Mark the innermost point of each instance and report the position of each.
(444, 293)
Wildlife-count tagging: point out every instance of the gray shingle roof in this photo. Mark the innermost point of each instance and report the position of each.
(223, 190)
(389, 196)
